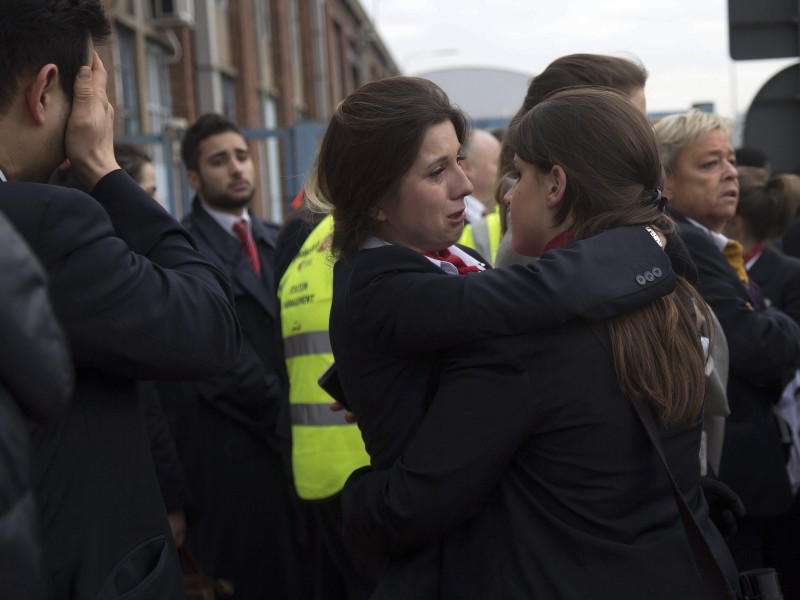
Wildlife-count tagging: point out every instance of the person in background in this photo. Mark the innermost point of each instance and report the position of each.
(129, 290)
(767, 203)
(510, 468)
(482, 229)
(296, 228)
(747, 156)
(233, 431)
(764, 343)
(131, 159)
(325, 447)
(36, 381)
(629, 77)
(766, 206)
(567, 72)
(138, 164)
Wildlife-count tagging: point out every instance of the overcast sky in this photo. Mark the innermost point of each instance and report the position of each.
(682, 43)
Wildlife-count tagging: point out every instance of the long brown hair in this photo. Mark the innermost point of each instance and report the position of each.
(371, 143)
(610, 156)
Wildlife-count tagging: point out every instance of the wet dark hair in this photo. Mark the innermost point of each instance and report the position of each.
(371, 142)
(748, 156)
(570, 72)
(207, 125)
(35, 33)
(584, 70)
(767, 204)
(131, 159)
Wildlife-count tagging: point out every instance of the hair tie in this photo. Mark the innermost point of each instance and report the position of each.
(658, 200)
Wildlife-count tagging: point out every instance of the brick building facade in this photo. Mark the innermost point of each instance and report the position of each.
(268, 65)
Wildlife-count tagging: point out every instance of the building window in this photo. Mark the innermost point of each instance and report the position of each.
(270, 174)
(222, 32)
(229, 98)
(263, 21)
(296, 54)
(128, 99)
(339, 85)
(159, 96)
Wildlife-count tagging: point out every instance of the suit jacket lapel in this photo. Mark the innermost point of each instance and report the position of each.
(228, 251)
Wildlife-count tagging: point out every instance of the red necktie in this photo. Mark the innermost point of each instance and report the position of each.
(447, 256)
(248, 245)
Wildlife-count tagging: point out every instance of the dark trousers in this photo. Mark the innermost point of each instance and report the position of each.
(343, 571)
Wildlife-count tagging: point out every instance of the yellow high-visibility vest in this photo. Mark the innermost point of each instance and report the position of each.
(490, 230)
(325, 448)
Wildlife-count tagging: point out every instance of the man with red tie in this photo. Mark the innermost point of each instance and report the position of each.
(233, 431)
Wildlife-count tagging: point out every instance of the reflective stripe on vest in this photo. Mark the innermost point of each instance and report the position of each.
(325, 448)
(314, 342)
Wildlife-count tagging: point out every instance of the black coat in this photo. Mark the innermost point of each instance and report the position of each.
(130, 290)
(778, 276)
(234, 435)
(764, 346)
(393, 313)
(36, 380)
(391, 306)
(532, 476)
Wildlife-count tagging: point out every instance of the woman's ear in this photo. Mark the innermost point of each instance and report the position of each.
(39, 96)
(377, 213)
(556, 186)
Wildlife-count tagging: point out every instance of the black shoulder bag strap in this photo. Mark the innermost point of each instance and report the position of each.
(715, 580)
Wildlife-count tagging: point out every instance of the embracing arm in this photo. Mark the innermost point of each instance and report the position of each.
(455, 461)
(413, 308)
(145, 307)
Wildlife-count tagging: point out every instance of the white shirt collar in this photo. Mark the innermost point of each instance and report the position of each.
(2, 176)
(227, 220)
(753, 259)
(719, 239)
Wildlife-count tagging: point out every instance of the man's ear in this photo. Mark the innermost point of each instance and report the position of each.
(556, 186)
(40, 93)
(193, 179)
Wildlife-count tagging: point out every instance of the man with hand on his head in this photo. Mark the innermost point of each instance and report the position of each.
(136, 301)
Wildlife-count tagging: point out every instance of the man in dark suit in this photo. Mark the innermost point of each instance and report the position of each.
(233, 431)
(129, 289)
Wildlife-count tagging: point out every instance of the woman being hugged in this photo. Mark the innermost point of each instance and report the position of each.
(389, 168)
(531, 472)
